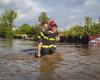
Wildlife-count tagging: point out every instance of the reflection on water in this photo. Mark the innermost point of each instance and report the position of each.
(48, 66)
(14, 46)
(70, 62)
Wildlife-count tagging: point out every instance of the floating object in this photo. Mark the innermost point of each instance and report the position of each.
(95, 42)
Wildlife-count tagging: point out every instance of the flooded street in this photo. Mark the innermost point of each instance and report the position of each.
(70, 62)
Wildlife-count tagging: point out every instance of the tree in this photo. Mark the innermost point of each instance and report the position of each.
(7, 18)
(97, 28)
(24, 29)
(76, 31)
(36, 31)
(43, 18)
(88, 25)
(6, 23)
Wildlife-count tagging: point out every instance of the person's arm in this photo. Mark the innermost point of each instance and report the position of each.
(57, 36)
(39, 45)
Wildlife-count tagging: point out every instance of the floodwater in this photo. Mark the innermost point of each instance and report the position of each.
(70, 62)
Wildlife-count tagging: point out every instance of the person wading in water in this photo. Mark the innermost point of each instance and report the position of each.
(47, 39)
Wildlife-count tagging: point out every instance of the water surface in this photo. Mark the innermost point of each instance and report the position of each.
(70, 62)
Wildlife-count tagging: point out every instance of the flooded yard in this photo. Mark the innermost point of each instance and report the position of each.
(70, 62)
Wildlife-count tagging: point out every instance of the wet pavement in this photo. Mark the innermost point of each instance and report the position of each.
(70, 62)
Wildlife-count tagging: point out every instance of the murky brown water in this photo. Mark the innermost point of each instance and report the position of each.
(70, 62)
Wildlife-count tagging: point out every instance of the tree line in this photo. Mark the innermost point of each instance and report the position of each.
(80, 34)
(8, 17)
(9, 30)
(90, 27)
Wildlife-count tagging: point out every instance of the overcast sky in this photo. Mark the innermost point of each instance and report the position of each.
(65, 12)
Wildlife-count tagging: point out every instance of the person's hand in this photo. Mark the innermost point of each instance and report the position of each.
(57, 38)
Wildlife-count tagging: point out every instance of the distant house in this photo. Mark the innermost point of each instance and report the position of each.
(22, 36)
(16, 27)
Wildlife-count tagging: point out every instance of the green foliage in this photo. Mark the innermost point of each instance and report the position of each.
(7, 18)
(65, 33)
(43, 18)
(6, 32)
(75, 31)
(97, 29)
(24, 29)
(6, 23)
(88, 25)
(89, 28)
(36, 31)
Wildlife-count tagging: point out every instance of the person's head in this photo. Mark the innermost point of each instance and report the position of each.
(54, 29)
(45, 26)
(53, 26)
(52, 23)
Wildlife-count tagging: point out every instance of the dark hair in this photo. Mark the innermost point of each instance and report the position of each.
(46, 22)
